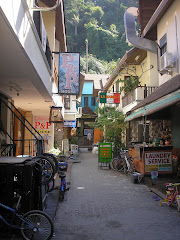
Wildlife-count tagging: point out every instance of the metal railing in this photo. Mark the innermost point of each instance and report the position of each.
(138, 94)
(10, 149)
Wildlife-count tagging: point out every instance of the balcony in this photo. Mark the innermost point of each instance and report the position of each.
(137, 95)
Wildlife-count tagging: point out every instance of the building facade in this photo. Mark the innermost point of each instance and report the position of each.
(29, 72)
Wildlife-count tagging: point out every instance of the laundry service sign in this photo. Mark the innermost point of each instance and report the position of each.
(158, 161)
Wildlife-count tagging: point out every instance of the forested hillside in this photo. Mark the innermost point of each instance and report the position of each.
(101, 22)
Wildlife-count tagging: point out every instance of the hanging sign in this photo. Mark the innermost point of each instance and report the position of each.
(102, 97)
(110, 98)
(116, 97)
(69, 73)
(69, 123)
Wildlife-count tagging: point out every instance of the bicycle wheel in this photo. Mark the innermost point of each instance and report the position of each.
(120, 165)
(37, 225)
(132, 166)
(178, 205)
(61, 195)
(113, 163)
(53, 159)
(51, 185)
(48, 170)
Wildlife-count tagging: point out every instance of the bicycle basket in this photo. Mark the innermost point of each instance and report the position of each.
(62, 166)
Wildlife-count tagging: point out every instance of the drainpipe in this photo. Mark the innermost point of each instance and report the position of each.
(132, 38)
(46, 9)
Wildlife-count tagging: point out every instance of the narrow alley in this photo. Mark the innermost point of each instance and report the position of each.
(105, 205)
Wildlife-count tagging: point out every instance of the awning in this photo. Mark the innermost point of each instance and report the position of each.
(155, 106)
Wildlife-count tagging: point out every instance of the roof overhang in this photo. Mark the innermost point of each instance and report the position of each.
(128, 58)
(159, 12)
(162, 103)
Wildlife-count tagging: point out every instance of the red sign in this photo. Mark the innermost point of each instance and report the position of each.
(116, 98)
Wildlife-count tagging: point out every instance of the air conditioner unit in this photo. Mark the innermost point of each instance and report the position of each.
(166, 61)
(80, 110)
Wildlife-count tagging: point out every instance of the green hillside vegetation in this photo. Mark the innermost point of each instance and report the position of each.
(102, 23)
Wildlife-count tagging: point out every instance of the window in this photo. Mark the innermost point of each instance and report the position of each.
(67, 101)
(163, 45)
(93, 101)
(85, 101)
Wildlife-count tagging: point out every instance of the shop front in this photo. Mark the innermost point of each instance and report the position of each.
(157, 146)
(148, 159)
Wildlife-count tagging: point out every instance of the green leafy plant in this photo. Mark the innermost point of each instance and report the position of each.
(73, 140)
(55, 151)
(112, 122)
(130, 83)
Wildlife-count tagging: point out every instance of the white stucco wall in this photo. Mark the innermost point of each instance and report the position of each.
(167, 25)
(20, 20)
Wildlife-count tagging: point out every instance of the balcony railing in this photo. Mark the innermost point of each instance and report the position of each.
(138, 94)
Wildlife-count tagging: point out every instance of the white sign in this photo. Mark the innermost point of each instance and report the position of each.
(74, 149)
(109, 97)
(159, 161)
(69, 123)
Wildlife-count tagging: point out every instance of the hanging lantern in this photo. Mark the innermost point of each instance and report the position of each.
(55, 115)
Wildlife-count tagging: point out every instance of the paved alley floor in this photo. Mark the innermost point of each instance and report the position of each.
(105, 205)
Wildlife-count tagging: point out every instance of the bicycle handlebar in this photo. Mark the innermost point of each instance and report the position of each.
(172, 184)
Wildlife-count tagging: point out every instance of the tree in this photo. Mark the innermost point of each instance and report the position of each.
(96, 66)
(112, 122)
(101, 21)
(133, 80)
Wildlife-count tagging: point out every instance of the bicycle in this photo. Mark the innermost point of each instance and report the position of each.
(63, 186)
(124, 163)
(34, 224)
(172, 195)
(53, 159)
(117, 164)
(129, 165)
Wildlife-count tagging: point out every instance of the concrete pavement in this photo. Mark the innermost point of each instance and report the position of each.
(95, 195)
(104, 204)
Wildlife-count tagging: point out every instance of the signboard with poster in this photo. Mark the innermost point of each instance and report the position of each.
(105, 152)
(74, 149)
(69, 73)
